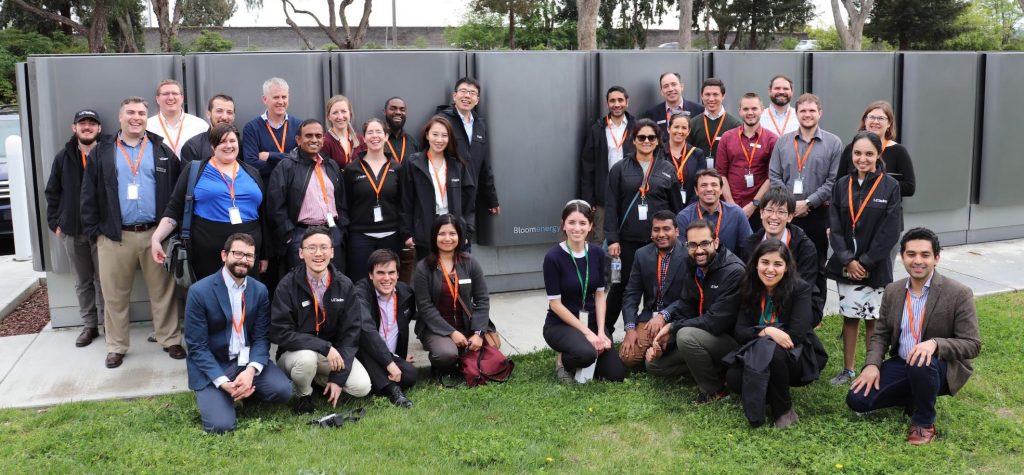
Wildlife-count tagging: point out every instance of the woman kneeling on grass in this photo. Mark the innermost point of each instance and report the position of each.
(775, 326)
(574, 280)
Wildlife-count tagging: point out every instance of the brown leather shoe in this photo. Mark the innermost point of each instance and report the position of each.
(114, 359)
(176, 352)
(87, 336)
(920, 435)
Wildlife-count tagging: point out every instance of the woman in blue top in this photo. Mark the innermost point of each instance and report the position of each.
(228, 199)
(574, 280)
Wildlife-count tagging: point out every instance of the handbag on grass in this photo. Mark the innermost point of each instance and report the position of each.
(179, 246)
(486, 364)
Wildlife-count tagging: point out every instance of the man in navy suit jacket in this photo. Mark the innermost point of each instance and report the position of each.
(227, 317)
(660, 288)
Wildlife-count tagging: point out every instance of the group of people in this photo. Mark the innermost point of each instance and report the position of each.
(708, 233)
(722, 225)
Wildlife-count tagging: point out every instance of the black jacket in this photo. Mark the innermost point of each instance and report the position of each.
(805, 255)
(417, 192)
(293, 323)
(476, 154)
(428, 283)
(721, 288)
(288, 183)
(695, 163)
(657, 114)
(594, 159)
(360, 199)
(370, 342)
(101, 204)
(643, 281)
(878, 229)
(624, 180)
(64, 189)
(411, 145)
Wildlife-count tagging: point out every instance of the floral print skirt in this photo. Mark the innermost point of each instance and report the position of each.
(859, 301)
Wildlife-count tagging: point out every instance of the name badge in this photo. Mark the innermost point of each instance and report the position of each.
(755, 145)
(798, 186)
(378, 214)
(330, 221)
(641, 210)
(584, 316)
(234, 215)
(465, 281)
(243, 356)
(682, 195)
(710, 162)
(749, 179)
(133, 191)
(305, 303)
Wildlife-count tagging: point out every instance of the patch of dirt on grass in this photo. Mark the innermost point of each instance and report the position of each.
(31, 316)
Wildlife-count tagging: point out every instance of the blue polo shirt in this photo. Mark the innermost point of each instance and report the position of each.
(143, 209)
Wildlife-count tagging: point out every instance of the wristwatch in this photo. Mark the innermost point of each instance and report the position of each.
(756, 202)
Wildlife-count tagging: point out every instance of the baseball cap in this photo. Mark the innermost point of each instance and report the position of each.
(86, 114)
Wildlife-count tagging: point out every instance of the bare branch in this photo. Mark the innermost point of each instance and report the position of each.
(330, 33)
(81, 29)
(291, 23)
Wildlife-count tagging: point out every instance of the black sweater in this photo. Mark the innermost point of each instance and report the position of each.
(361, 199)
(897, 165)
(878, 229)
(720, 291)
(624, 180)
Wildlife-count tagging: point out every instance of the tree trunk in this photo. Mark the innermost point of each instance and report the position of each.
(686, 24)
(511, 26)
(99, 23)
(355, 41)
(127, 33)
(586, 24)
(851, 32)
(167, 22)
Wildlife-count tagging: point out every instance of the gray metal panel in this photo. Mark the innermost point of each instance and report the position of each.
(534, 140)
(241, 76)
(751, 71)
(424, 79)
(37, 226)
(638, 72)
(942, 150)
(847, 82)
(1001, 165)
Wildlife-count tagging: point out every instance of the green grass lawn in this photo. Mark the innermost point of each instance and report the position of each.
(534, 424)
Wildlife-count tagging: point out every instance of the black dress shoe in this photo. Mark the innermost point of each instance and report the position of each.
(114, 359)
(303, 405)
(176, 352)
(87, 336)
(397, 397)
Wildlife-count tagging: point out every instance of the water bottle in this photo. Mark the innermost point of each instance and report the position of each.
(616, 270)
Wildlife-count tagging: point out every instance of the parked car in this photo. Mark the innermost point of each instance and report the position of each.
(807, 45)
(9, 125)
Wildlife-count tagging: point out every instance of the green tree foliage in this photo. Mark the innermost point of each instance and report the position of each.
(478, 31)
(15, 46)
(915, 24)
(988, 25)
(207, 12)
(210, 41)
(623, 24)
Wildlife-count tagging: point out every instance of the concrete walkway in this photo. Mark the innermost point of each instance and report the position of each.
(46, 369)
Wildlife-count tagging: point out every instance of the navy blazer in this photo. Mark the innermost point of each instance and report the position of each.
(643, 281)
(208, 327)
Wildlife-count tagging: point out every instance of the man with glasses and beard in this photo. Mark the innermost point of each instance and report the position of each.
(227, 318)
(400, 144)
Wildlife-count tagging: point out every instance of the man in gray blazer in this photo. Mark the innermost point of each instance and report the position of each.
(929, 325)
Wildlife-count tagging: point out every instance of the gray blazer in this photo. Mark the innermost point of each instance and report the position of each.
(428, 284)
(950, 320)
(643, 282)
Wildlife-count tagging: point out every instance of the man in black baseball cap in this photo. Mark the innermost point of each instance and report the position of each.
(62, 216)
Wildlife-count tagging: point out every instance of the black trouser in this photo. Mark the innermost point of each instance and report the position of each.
(379, 375)
(815, 224)
(627, 250)
(360, 246)
(208, 241)
(578, 353)
(784, 372)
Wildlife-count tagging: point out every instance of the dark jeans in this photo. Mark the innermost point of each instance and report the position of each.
(815, 224)
(379, 375)
(359, 248)
(292, 257)
(914, 388)
(578, 353)
(614, 303)
(217, 409)
(784, 373)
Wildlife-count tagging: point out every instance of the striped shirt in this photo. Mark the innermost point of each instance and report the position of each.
(917, 304)
(314, 210)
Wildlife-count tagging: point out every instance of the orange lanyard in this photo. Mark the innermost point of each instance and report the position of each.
(775, 314)
(394, 316)
(910, 319)
(753, 146)
(771, 115)
(452, 284)
(711, 143)
(320, 317)
(83, 159)
(231, 184)
(625, 131)
(133, 166)
(645, 185)
(885, 143)
(863, 204)
(700, 310)
(800, 162)
(680, 165)
(318, 168)
(718, 227)
(393, 154)
(377, 186)
(181, 126)
(237, 325)
(441, 185)
(284, 135)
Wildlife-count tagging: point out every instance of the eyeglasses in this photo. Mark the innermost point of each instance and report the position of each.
(314, 249)
(467, 92)
(876, 118)
(782, 213)
(705, 245)
(243, 255)
(646, 138)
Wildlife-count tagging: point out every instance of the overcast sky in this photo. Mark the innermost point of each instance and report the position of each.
(410, 13)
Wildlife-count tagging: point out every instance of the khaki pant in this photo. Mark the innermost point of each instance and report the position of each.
(697, 353)
(118, 262)
(634, 359)
(306, 366)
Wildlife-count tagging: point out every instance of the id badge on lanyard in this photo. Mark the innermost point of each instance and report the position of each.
(235, 215)
(378, 214)
(798, 186)
(330, 220)
(133, 191)
(749, 179)
(641, 210)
